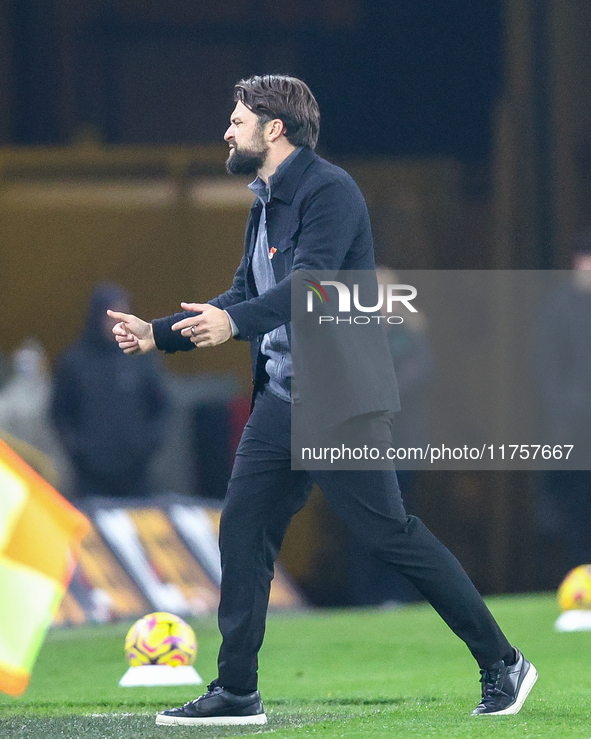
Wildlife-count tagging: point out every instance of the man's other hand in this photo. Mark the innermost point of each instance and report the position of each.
(210, 326)
(133, 335)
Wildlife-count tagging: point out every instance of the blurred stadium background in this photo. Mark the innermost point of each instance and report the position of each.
(466, 125)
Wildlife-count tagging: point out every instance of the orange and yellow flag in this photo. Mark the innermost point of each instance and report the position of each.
(40, 535)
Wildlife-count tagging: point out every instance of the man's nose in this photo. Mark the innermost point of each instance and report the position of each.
(228, 135)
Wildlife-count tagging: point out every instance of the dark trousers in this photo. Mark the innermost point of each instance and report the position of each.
(264, 493)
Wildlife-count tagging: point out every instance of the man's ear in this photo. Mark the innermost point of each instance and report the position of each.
(276, 129)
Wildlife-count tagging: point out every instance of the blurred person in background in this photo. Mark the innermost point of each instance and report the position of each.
(413, 363)
(372, 582)
(5, 370)
(110, 413)
(563, 364)
(25, 424)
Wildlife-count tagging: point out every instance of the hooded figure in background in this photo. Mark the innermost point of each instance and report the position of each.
(110, 412)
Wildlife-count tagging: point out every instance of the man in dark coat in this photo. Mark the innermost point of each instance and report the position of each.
(110, 413)
(563, 367)
(308, 215)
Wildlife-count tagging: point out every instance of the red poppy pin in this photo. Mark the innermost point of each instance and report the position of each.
(272, 251)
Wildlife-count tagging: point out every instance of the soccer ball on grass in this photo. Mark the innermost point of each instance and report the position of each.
(160, 639)
(574, 592)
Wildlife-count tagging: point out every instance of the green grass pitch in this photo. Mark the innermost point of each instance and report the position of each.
(327, 674)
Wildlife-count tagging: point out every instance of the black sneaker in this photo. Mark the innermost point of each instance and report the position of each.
(217, 707)
(505, 687)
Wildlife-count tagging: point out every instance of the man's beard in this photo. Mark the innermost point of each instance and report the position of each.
(248, 161)
(245, 162)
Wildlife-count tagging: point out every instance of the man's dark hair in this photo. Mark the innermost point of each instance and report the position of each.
(287, 98)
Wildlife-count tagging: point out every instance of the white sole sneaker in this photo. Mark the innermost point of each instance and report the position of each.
(259, 718)
(528, 682)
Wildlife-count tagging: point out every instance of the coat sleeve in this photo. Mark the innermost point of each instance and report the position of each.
(172, 341)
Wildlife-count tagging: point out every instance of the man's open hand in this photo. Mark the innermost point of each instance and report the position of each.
(210, 326)
(133, 335)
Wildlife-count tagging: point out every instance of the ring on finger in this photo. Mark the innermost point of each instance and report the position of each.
(192, 330)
